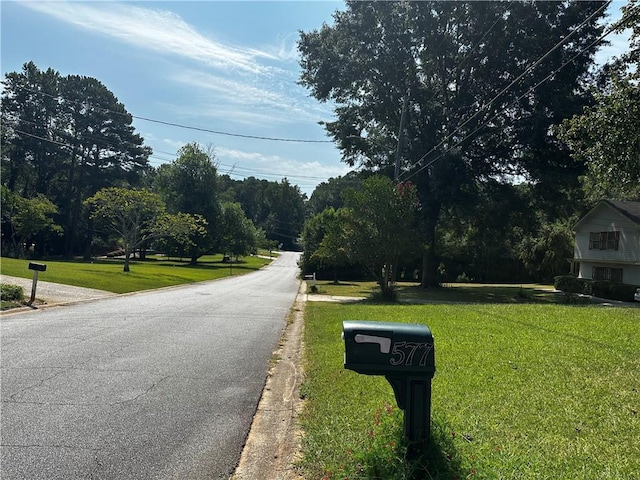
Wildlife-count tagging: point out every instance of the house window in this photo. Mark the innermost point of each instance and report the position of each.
(607, 274)
(604, 240)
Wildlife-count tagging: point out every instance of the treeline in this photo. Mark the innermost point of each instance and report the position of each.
(76, 181)
(499, 232)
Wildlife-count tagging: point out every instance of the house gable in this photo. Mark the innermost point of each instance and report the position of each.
(607, 242)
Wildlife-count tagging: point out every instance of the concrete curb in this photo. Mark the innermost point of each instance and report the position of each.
(274, 441)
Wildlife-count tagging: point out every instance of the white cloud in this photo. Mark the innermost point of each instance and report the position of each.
(286, 48)
(175, 144)
(157, 30)
(243, 85)
(240, 93)
(256, 164)
(250, 103)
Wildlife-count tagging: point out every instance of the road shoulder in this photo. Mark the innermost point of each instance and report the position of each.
(274, 441)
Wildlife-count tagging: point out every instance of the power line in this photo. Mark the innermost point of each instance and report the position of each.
(158, 160)
(250, 170)
(172, 124)
(217, 132)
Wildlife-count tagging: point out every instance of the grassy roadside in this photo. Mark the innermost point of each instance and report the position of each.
(153, 273)
(521, 391)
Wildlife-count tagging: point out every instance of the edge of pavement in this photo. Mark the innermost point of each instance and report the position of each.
(274, 441)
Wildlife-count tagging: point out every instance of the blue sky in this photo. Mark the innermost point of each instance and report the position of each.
(225, 66)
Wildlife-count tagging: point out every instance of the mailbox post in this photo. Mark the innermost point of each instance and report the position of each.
(36, 267)
(404, 354)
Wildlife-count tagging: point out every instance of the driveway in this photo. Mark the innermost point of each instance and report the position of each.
(55, 293)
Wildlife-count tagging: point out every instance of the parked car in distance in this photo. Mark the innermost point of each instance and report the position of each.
(636, 296)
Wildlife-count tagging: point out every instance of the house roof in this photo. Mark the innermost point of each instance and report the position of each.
(631, 210)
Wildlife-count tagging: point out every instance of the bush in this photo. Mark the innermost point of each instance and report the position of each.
(571, 284)
(463, 278)
(614, 291)
(608, 290)
(10, 293)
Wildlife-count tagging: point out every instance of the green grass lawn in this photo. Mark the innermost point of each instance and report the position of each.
(530, 391)
(144, 275)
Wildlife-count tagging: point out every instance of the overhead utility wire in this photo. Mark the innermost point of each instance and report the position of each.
(43, 139)
(508, 87)
(158, 159)
(187, 127)
(250, 170)
(217, 132)
(611, 30)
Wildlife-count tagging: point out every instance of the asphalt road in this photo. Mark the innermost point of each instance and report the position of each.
(158, 385)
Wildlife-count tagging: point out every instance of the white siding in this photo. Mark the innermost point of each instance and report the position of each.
(603, 218)
(630, 273)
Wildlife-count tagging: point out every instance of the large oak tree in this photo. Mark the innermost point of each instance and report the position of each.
(456, 85)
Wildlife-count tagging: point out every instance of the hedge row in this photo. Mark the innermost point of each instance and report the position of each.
(608, 290)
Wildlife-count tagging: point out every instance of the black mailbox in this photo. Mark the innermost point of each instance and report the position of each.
(384, 348)
(39, 267)
(405, 355)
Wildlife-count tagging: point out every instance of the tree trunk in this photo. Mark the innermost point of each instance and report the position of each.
(127, 254)
(429, 259)
(69, 222)
(386, 289)
(429, 268)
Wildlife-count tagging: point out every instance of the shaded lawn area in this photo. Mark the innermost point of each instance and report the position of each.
(453, 292)
(521, 391)
(107, 274)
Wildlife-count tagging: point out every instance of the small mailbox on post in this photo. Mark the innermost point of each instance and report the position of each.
(36, 267)
(405, 355)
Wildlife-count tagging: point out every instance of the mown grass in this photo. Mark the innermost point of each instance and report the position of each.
(533, 391)
(454, 292)
(107, 274)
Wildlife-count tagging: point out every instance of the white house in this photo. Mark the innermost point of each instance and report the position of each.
(607, 243)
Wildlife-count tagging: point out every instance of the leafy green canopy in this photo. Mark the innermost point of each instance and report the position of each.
(378, 226)
(455, 62)
(189, 184)
(66, 138)
(606, 135)
(130, 214)
(455, 92)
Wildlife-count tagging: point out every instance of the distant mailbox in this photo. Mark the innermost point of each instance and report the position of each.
(39, 267)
